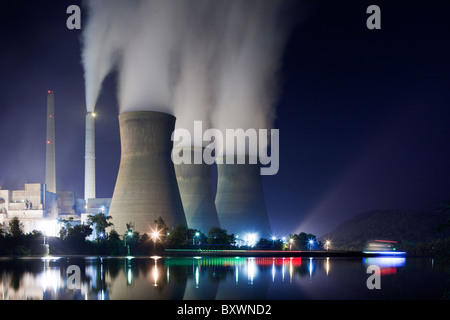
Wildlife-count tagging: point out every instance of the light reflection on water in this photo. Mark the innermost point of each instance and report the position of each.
(219, 278)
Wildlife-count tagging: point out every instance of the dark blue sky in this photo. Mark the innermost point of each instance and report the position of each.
(364, 115)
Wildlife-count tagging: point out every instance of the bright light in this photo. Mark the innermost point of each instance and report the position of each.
(274, 238)
(197, 234)
(311, 241)
(155, 274)
(93, 114)
(101, 234)
(252, 238)
(291, 240)
(386, 262)
(155, 235)
(129, 233)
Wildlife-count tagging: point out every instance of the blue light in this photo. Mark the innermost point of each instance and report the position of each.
(386, 261)
(388, 253)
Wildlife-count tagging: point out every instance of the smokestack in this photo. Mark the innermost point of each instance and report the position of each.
(50, 162)
(240, 199)
(89, 162)
(146, 186)
(194, 183)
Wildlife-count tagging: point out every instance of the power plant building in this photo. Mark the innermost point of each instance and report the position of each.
(194, 183)
(146, 186)
(240, 200)
(35, 207)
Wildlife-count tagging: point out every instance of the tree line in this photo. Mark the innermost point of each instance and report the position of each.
(73, 239)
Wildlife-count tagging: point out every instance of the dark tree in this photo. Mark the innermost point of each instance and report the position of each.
(178, 237)
(77, 235)
(16, 227)
(219, 236)
(100, 223)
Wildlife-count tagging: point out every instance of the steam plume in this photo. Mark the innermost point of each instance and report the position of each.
(104, 37)
(214, 61)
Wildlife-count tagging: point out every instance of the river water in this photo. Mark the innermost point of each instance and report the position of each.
(220, 278)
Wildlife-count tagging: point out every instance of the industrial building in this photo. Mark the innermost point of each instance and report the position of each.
(146, 186)
(39, 206)
(36, 208)
(240, 200)
(194, 183)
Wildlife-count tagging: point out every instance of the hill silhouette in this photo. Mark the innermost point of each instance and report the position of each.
(402, 226)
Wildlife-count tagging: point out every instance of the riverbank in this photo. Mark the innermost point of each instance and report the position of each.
(270, 253)
(221, 253)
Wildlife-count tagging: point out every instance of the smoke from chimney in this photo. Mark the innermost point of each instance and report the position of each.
(214, 61)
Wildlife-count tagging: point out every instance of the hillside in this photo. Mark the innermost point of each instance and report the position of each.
(402, 226)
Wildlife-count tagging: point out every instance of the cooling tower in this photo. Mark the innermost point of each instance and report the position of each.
(240, 200)
(146, 186)
(89, 161)
(194, 183)
(50, 162)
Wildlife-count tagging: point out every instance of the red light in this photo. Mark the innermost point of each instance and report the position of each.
(389, 270)
(48, 141)
(51, 116)
(49, 91)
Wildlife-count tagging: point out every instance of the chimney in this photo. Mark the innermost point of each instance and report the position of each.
(89, 162)
(50, 162)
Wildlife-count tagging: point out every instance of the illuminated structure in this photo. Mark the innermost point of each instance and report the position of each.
(34, 206)
(146, 186)
(50, 158)
(194, 183)
(382, 247)
(89, 164)
(240, 200)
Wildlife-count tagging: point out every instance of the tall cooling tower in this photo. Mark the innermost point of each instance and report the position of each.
(89, 161)
(194, 183)
(146, 186)
(50, 162)
(240, 200)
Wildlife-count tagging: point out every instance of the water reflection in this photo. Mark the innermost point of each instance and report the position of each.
(104, 278)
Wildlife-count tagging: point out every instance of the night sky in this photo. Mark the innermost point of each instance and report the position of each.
(364, 115)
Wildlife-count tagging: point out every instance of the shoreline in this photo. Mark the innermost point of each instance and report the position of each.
(180, 253)
(274, 253)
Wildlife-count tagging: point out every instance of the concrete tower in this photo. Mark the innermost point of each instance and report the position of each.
(146, 186)
(194, 183)
(89, 162)
(50, 162)
(240, 200)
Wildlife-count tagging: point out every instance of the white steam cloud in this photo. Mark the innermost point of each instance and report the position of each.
(210, 61)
